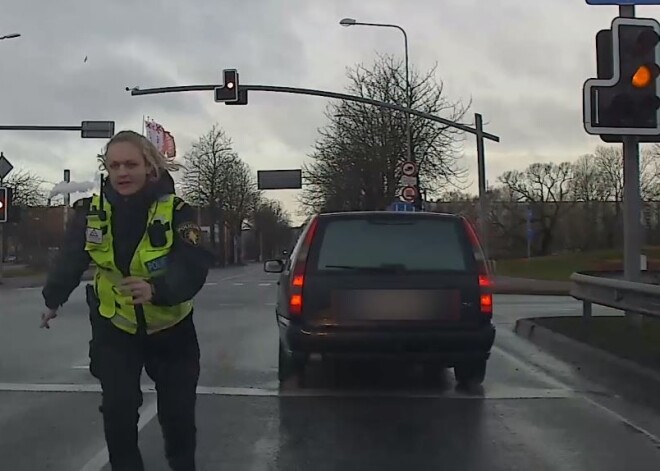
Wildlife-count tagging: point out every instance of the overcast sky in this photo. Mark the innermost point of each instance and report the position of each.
(522, 62)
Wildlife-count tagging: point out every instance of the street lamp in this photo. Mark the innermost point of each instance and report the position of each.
(10, 36)
(346, 22)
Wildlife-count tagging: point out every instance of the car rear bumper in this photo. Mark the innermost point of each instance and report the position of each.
(450, 345)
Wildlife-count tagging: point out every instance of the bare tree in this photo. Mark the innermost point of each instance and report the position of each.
(206, 178)
(27, 188)
(241, 197)
(356, 158)
(545, 188)
(272, 228)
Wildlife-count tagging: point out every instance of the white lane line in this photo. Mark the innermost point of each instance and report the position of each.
(238, 284)
(100, 459)
(558, 384)
(540, 375)
(490, 392)
(265, 284)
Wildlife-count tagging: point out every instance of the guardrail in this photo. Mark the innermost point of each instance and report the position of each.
(629, 296)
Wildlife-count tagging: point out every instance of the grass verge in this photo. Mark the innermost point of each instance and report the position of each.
(560, 267)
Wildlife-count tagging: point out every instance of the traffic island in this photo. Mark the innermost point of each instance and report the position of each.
(608, 350)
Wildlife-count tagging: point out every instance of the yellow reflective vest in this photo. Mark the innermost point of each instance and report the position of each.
(148, 261)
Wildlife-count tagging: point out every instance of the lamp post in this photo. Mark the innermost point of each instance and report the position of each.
(346, 22)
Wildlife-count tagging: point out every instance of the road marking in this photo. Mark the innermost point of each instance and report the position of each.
(495, 391)
(558, 384)
(265, 284)
(100, 459)
(81, 367)
(539, 374)
(238, 284)
(210, 284)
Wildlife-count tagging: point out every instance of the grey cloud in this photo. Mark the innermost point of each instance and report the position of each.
(527, 89)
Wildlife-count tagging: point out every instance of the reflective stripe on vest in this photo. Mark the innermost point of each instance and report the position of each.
(148, 261)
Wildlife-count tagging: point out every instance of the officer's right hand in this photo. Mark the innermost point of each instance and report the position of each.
(47, 316)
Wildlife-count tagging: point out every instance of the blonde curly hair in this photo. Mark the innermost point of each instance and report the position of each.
(152, 156)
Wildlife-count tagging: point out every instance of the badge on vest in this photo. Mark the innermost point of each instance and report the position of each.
(93, 235)
(156, 265)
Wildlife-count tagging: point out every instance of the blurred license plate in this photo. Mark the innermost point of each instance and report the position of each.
(394, 305)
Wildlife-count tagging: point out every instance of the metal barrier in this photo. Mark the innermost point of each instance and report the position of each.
(629, 296)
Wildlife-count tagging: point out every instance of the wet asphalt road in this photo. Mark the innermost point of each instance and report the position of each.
(533, 411)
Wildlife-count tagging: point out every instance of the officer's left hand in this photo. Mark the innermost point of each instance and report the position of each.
(141, 290)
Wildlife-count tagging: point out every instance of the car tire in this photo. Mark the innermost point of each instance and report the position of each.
(291, 366)
(470, 373)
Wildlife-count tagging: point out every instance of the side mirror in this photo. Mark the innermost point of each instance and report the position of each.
(273, 266)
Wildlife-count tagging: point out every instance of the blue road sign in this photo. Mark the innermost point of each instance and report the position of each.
(623, 2)
(401, 206)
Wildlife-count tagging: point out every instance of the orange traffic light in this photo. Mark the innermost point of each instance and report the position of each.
(642, 77)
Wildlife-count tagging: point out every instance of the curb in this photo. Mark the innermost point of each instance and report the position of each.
(608, 368)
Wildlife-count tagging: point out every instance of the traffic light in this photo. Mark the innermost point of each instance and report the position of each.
(5, 203)
(228, 93)
(624, 100)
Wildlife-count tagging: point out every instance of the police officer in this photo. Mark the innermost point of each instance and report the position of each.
(149, 266)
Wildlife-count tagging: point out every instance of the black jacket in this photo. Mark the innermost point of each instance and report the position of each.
(188, 263)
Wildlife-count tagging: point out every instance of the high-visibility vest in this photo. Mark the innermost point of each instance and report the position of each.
(148, 261)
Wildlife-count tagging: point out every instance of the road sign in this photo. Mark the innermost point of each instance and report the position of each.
(408, 181)
(409, 193)
(97, 129)
(279, 179)
(5, 166)
(409, 169)
(623, 2)
(402, 206)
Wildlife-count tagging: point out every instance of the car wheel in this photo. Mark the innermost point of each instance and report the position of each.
(291, 366)
(470, 373)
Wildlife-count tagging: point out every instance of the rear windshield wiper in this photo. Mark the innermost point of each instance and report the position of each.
(382, 268)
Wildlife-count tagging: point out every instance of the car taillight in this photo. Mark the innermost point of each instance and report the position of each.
(298, 275)
(485, 284)
(485, 296)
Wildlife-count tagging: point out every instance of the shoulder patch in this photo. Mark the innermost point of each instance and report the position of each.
(190, 233)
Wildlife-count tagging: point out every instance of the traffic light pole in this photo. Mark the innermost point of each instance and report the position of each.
(632, 201)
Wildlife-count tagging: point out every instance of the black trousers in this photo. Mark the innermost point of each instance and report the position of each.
(171, 359)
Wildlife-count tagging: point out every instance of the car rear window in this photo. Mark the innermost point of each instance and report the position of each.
(412, 244)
